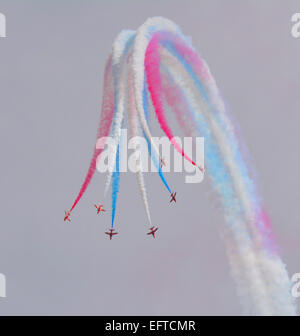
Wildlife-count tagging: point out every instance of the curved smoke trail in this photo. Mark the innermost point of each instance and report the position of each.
(119, 56)
(104, 127)
(159, 59)
(152, 154)
(152, 67)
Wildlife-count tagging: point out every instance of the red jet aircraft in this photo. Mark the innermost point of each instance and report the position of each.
(67, 215)
(173, 197)
(152, 231)
(111, 233)
(99, 208)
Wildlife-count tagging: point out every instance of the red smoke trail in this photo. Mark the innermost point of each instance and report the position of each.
(104, 126)
(152, 63)
(175, 100)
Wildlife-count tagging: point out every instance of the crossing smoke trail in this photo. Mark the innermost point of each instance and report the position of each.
(160, 62)
(152, 154)
(154, 82)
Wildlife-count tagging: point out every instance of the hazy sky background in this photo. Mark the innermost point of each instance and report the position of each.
(51, 70)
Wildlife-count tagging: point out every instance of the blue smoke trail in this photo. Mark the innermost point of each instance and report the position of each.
(115, 186)
(237, 153)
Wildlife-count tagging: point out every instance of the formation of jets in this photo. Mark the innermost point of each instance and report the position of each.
(111, 232)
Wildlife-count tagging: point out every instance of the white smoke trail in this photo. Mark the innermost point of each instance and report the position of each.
(263, 266)
(244, 266)
(261, 277)
(141, 41)
(133, 122)
(119, 54)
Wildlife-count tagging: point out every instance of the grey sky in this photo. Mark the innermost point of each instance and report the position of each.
(51, 69)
